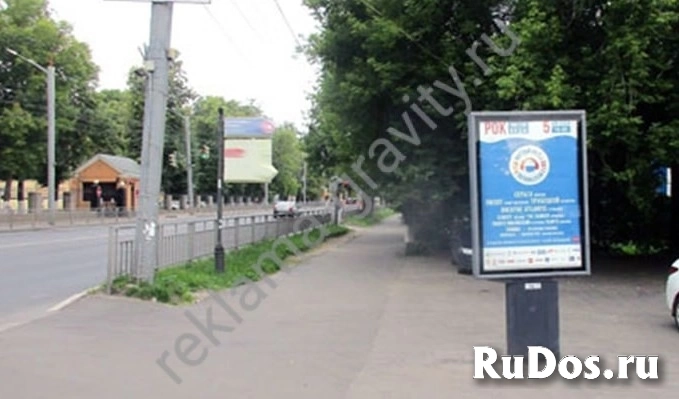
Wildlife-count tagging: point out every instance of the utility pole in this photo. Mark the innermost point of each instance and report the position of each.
(189, 161)
(157, 67)
(51, 129)
(219, 248)
(304, 183)
(51, 141)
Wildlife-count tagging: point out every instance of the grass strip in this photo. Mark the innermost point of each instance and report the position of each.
(374, 218)
(177, 285)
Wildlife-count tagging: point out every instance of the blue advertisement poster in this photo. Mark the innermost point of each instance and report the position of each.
(252, 127)
(529, 195)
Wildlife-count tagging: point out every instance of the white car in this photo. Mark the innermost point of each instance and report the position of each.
(672, 291)
(285, 208)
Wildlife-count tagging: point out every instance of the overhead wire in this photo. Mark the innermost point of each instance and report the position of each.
(287, 23)
(89, 103)
(235, 5)
(226, 34)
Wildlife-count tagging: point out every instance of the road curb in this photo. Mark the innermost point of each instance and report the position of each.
(24, 230)
(71, 300)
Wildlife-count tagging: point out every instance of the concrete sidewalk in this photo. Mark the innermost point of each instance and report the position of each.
(357, 320)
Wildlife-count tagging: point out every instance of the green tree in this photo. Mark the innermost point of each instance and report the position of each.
(372, 54)
(16, 158)
(558, 66)
(288, 159)
(27, 27)
(616, 60)
(179, 99)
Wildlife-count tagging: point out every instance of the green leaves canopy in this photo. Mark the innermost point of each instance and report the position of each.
(616, 60)
(27, 28)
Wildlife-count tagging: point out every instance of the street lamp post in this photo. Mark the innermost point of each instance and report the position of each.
(51, 129)
(219, 247)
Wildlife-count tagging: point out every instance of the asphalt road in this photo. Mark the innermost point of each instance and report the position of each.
(39, 269)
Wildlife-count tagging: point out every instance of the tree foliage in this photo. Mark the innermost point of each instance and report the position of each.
(288, 158)
(27, 28)
(616, 60)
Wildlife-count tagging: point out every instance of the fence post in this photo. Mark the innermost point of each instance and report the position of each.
(254, 224)
(191, 236)
(236, 232)
(159, 245)
(111, 259)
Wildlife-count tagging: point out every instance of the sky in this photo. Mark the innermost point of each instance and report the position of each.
(237, 49)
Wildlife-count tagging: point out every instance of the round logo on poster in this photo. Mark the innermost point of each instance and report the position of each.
(529, 165)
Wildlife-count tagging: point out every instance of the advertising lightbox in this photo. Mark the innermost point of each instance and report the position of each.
(529, 194)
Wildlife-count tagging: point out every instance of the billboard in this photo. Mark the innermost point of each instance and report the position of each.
(529, 194)
(255, 127)
(248, 161)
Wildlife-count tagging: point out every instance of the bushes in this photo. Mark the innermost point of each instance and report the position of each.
(372, 219)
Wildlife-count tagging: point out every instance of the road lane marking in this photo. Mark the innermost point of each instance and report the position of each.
(70, 300)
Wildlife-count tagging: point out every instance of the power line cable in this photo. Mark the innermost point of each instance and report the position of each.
(226, 34)
(287, 23)
(247, 20)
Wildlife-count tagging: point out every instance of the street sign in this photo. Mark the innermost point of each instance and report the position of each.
(528, 175)
(256, 127)
(664, 174)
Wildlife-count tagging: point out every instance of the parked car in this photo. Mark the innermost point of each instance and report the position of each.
(461, 245)
(672, 291)
(285, 209)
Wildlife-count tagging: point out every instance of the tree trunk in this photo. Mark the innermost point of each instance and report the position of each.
(21, 194)
(7, 195)
(21, 190)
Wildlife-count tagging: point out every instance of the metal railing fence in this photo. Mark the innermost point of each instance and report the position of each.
(11, 220)
(180, 242)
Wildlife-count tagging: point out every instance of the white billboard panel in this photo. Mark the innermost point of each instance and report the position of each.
(248, 161)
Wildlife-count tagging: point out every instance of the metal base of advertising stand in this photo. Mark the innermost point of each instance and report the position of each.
(532, 311)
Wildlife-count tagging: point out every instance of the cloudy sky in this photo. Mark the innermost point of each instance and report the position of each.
(239, 49)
